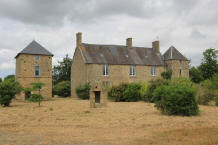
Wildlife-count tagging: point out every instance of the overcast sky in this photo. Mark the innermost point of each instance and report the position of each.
(189, 25)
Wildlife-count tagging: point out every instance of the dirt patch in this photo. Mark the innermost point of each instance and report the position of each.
(70, 121)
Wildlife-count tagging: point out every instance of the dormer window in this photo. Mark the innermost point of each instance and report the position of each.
(37, 57)
(105, 70)
(132, 70)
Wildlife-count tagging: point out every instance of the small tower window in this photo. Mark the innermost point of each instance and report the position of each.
(180, 72)
(153, 71)
(105, 70)
(37, 57)
(36, 70)
(132, 70)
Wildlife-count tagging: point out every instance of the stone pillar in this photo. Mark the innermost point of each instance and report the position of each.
(129, 42)
(156, 46)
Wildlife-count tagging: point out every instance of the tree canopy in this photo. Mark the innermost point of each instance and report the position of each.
(62, 71)
(209, 65)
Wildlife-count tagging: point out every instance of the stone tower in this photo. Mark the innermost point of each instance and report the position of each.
(176, 62)
(34, 64)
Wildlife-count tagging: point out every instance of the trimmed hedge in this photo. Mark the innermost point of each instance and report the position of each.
(82, 91)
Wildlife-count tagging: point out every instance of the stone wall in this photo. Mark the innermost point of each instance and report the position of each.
(25, 72)
(78, 72)
(176, 65)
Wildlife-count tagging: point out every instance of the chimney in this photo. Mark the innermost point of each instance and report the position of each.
(156, 46)
(78, 39)
(129, 42)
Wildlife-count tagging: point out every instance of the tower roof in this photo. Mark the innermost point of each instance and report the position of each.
(35, 48)
(173, 54)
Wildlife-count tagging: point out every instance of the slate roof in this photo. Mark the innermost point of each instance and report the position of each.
(35, 48)
(173, 54)
(119, 54)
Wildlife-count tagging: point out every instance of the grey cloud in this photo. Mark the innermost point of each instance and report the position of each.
(54, 12)
(197, 34)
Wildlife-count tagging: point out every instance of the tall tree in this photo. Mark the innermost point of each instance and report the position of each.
(61, 72)
(209, 65)
(195, 75)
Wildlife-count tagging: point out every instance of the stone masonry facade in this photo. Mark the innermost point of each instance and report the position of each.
(82, 72)
(25, 72)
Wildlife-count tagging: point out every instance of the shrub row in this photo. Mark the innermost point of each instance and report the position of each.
(82, 91)
(173, 97)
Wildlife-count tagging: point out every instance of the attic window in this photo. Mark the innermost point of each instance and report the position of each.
(127, 55)
(37, 57)
(146, 56)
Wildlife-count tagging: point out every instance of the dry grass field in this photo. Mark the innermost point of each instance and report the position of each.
(72, 122)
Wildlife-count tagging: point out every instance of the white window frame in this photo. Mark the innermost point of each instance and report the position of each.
(105, 70)
(153, 71)
(38, 71)
(132, 70)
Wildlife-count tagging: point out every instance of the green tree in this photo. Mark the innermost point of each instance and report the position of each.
(10, 77)
(37, 97)
(8, 90)
(209, 65)
(0, 80)
(195, 75)
(62, 71)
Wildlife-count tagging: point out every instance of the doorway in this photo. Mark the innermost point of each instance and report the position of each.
(97, 96)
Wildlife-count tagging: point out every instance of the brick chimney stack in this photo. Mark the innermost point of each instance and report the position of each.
(156, 46)
(129, 42)
(78, 39)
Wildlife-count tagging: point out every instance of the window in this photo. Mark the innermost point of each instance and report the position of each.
(180, 72)
(36, 70)
(37, 57)
(105, 70)
(153, 71)
(132, 70)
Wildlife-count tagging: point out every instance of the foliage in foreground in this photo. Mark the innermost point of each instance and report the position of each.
(36, 87)
(116, 92)
(82, 91)
(167, 75)
(62, 89)
(208, 91)
(8, 89)
(132, 92)
(176, 98)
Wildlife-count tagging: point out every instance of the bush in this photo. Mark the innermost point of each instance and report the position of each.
(132, 92)
(208, 90)
(62, 89)
(116, 92)
(8, 90)
(152, 86)
(175, 99)
(82, 91)
(144, 91)
(167, 75)
(37, 88)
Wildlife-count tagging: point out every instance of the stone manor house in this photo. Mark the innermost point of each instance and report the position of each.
(113, 64)
(106, 65)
